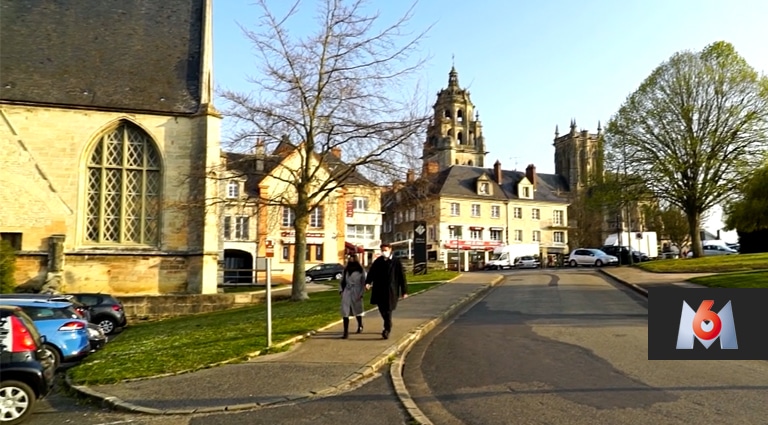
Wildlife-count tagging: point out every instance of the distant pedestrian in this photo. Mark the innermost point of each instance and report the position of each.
(386, 279)
(352, 290)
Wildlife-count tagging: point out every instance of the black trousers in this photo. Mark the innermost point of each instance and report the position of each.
(386, 315)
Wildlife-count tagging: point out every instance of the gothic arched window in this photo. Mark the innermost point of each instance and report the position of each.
(123, 203)
(447, 113)
(460, 138)
(460, 115)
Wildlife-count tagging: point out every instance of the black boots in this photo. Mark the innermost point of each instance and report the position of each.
(359, 324)
(346, 328)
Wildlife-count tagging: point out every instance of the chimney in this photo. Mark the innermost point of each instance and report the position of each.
(497, 171)
(433, 168)
(336, 151)
(409, 176)
(530, 174)
(259, 151)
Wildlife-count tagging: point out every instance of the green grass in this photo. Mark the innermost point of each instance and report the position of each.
(714, 264)
(195, 342)
(249, 288)
(431, 276)
(753, 279)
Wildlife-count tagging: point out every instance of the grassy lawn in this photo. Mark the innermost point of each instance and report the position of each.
(431, 276)
(714, 264)
(194, 342)
(249, 288)
(753, 279)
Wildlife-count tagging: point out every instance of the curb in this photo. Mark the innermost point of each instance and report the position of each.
(365, 372)
(396, 368)
(639, 289)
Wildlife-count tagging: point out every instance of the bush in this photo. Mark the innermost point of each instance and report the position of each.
(7, 267)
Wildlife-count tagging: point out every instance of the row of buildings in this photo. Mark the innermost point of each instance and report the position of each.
(111, 154)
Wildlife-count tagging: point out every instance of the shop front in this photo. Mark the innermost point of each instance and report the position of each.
(467, 255)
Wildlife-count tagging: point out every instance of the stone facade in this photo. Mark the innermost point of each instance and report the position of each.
(119, 180)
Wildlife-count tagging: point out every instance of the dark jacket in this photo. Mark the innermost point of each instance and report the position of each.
(387, 279)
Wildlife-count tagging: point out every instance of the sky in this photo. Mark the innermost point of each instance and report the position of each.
(532, 65)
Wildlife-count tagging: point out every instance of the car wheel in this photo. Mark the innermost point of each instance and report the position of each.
(338, 276)
(16, 402)
(599, 263)
(107, 325)
(573, 263)
(53, 352)
(308, 279)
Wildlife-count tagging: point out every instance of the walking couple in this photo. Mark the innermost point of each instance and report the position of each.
(386, 281)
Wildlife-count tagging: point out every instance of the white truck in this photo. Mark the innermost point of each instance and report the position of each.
(504, 257)
(645, 242)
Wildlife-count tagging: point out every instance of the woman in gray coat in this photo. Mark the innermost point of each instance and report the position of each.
(352, 290)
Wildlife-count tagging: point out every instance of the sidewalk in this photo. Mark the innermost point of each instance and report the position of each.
(321, 365)
(641, 280)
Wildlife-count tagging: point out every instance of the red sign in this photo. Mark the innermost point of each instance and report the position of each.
(350, 208)
(270, 253)
(472, 245)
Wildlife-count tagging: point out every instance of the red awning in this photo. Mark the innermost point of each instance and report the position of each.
(351, 249)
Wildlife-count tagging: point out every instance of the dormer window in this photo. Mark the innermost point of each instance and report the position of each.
(233, 190)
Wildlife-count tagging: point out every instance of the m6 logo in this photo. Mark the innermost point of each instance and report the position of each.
(706, 326)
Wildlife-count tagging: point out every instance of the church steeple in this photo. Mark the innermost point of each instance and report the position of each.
(454, 137)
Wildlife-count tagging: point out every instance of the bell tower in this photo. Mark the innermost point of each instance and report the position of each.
(454, 135)
(578, 156)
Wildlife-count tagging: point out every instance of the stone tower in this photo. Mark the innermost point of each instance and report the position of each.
(578, 156)
(453, 135)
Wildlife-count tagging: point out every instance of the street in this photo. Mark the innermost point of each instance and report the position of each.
(568, 347)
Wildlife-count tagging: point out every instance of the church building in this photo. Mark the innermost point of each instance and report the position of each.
(108, 137)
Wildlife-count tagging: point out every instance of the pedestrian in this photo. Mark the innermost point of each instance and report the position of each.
(386, 280)
(352, 290)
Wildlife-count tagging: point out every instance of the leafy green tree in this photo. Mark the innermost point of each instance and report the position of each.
(750, 213)
(691, 128)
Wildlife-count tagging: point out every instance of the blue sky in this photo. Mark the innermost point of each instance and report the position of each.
(533, 65)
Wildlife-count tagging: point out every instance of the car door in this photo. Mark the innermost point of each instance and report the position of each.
(583, 257)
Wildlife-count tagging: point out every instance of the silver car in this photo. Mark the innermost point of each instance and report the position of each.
(527, 262)
(591, 257)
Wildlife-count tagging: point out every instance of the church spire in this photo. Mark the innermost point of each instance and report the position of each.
(453, 78)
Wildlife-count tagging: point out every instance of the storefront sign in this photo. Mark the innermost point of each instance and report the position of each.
(350, 208)
(472, 245)
(314, 238)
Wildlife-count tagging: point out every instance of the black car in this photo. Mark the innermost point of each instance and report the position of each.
(106, 310)
(325, 271)
(26, 369)
(622, 253)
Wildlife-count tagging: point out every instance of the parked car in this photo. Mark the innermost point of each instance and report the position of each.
(106, 310)
(622, 252)
(79, 307)
(65, 331)
(710, 250)
(591, 257)
(325, 271)
(26, 369)
(527, 262)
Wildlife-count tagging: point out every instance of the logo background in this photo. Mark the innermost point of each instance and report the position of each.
(750, 316)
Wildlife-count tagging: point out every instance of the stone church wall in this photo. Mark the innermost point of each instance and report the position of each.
(43, 193)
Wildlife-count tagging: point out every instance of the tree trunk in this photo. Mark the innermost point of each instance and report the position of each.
(298, 284)
(694, 217)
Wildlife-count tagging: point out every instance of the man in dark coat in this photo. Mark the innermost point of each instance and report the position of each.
(386, 280)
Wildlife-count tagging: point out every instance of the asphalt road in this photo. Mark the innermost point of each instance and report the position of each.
(568, 347)
(373, 403)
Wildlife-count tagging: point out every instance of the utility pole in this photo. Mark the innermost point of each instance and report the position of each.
(626, 201)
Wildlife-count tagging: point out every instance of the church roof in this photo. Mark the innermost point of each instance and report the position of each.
(114, 54)
(460, 181)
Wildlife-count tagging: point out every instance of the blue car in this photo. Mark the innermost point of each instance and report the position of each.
(66, 333)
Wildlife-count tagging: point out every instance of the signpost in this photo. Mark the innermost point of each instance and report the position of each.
(419, 247)
(270, 253)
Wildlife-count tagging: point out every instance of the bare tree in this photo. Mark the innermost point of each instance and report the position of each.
(697, 121)
(347, 84)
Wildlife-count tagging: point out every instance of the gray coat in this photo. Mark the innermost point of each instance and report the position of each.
(352, 289)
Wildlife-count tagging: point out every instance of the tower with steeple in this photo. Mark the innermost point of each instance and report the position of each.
(578, 156)
(454, 135)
